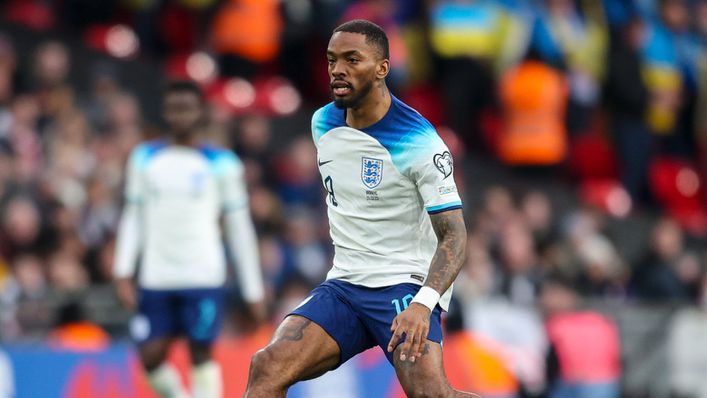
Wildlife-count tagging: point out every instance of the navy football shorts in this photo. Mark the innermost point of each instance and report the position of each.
(359, 317)
(193, 313)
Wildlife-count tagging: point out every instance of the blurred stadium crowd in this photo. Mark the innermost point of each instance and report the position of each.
(578, 129)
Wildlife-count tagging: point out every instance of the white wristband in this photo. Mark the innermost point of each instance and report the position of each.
(427, 297)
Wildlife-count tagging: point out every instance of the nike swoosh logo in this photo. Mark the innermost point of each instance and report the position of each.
(324, 162)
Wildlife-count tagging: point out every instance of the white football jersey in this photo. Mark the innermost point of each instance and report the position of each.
(181, 192)
(382, 182)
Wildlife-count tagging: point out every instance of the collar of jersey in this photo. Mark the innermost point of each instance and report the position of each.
(380, 124)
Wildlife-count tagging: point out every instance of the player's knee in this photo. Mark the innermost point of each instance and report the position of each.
(151, 359)
(264, 366)
(200, 353)
(151, 362)
(271, 367)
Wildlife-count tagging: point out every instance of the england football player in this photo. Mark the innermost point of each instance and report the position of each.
(396, 222)
(176, 192)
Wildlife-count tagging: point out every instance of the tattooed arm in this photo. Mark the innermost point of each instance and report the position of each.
(451, 246)
(414, 322)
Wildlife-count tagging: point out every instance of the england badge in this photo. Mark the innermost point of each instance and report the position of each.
(371, 172)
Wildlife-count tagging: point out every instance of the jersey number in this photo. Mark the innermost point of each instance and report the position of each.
(405, 301)
(329, 184)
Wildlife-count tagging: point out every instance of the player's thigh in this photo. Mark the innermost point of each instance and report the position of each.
(323, 332)
(381, 305)
(201, 315)
(154, 325)
(332, 307)
(299, 350)
(425, 377)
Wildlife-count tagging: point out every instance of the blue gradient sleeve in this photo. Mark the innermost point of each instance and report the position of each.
(426, 160)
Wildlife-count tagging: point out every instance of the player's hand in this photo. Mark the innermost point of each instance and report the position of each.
(414, 322)
(125, 289)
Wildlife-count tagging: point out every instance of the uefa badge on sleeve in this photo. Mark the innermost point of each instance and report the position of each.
(371, 172)
(443, 162)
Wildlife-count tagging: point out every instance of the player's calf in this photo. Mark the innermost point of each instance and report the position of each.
(162, 376)
(206, 377)
(206, 380)
(165, 381)
(425, 377)
(434, 390)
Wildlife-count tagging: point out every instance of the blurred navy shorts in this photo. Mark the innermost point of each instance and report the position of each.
(193, 313)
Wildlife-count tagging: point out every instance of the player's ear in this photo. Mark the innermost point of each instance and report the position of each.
(382, 69)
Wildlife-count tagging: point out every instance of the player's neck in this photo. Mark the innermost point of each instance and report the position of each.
(184, 139)
(371, 110)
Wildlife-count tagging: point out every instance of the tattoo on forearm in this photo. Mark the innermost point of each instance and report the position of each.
(449, 257)
(295, 332)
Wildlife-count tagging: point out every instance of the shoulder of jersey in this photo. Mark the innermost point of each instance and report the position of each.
(401, 123)
(409, 124)
(219, 157)
(144, 151)
(406, 135)
(215, 153)
(325, 119)
(150, 146)
(221, 160)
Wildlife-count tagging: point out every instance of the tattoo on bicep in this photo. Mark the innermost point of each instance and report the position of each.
(449, 257)
(295, 332)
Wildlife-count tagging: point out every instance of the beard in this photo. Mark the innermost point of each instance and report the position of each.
(355, 100)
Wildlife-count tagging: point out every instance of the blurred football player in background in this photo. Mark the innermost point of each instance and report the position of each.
(176, 191)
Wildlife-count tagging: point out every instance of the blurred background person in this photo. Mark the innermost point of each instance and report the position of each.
(584, 358)
(177, 188)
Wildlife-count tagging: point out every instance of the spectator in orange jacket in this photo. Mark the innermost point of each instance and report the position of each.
(533, 98)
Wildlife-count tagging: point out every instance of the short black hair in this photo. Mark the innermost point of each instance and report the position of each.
(182, 86)
(375, 35)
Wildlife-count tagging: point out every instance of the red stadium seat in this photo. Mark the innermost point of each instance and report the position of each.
(592, 157)
(606, 194)
(678, 187)
(37, 15)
